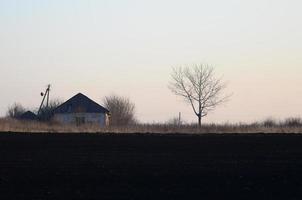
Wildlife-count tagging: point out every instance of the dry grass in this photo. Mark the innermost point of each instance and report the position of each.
(11, 125)
(291, 125)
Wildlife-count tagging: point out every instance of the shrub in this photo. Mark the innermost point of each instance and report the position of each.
(122, 110)
(293, 122)
(15, 111)
(269, 123)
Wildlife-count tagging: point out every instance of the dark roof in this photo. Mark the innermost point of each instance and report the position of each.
(80, 104)
(28, 116)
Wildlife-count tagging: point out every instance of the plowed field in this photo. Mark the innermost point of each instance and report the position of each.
(136, 166)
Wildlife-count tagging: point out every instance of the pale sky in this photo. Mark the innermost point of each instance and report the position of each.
(127, 47)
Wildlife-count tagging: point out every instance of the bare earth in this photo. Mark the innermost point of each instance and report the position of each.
(135, 166)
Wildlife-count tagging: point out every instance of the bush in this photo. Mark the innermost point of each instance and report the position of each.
(175, 121)
(15, 111)
(293, 122)
(122, 110)
(269, 123)
(46, 113)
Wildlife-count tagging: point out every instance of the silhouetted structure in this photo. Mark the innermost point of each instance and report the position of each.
(28, 116)
(81, 110)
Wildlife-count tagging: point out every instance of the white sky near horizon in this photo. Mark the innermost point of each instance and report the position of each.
(127, 47)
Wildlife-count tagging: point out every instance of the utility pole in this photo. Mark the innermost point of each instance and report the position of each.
(47, 90)
(46, 94)
(179, 118)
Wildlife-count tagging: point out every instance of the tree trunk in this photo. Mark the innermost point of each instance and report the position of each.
(199, 121)
(199, 114)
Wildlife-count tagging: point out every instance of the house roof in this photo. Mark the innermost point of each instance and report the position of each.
(28, 116)
(80, 104)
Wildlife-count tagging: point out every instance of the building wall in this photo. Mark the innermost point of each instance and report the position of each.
(82, 118)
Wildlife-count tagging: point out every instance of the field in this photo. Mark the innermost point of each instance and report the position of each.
(150, 166)
(268, 126)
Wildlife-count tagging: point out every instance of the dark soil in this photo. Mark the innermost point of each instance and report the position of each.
(92, 166)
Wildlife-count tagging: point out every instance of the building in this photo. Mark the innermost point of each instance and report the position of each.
(28, 116)
(81, 110)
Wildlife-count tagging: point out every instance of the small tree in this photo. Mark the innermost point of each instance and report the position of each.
(122, 110)
(15, 111)
(198, 85)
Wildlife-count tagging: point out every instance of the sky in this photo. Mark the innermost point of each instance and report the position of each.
(128, 47)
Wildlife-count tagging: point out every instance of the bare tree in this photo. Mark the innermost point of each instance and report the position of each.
(200, 88)
(122, 110)
(15, 110)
